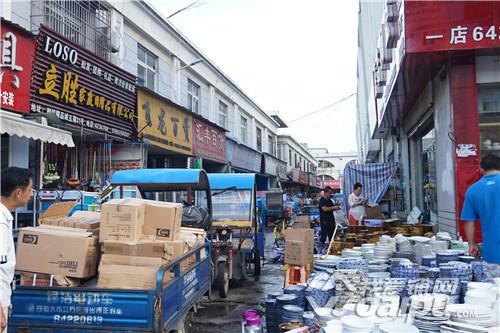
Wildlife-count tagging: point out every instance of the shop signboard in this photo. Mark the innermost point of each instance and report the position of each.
(432, 26)
(319, 184)
(336, 184)
(17, 50)
(274, 166)
(163, 123)
(80, 88)
(281, 169)
(209, 141)
(295, 175)
(241, 156)
(303, 178)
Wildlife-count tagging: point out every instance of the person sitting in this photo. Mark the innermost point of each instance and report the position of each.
(356, 205)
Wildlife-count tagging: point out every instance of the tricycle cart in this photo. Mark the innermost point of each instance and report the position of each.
(235, 228)
(91, 309)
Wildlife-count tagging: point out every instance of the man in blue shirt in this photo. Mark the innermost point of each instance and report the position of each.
(482, 201)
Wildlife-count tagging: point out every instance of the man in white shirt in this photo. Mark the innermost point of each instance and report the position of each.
(356, 205)
(15, 192)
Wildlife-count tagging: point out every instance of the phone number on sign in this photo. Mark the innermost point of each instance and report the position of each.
(76, 319)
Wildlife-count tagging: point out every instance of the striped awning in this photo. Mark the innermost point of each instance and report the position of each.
(375, 178)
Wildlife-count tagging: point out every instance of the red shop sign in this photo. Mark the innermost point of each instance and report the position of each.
(16, 53)
(333, 183)
(209, 141)
(432, 26)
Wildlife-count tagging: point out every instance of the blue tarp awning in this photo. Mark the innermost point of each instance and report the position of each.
(375, 178)
(220, 181)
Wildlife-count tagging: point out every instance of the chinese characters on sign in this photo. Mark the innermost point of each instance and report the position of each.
(163, 123)
(16, 54)
(72, 93)
(80, 88)
(208, 141)
(459, 34)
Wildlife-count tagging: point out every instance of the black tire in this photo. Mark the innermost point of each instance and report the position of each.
(222, 279)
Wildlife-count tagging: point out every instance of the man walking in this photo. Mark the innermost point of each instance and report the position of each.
(482, 202)
(326, 218)
(15, 192)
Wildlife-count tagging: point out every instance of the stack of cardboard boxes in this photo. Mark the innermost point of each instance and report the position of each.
(139, 236)
(136, 238)
(299, 246)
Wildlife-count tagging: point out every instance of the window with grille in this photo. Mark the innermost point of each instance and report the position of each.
(146, 68)
(222, 114)
(244, 129)
(193, 97)
(259, 139)
(86, 23)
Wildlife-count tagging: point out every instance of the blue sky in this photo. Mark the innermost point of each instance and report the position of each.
(294, 56)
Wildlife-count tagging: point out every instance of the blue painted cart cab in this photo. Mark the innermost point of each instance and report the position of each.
(235, 228)
(91, 309)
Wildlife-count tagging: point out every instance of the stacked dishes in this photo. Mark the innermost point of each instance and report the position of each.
(320, 290)
(353, 263)
(299, 291)
(466, 259)
(428, 311)
(350, 287)
(281, 301)
(355, 324)
(349, 253)
(447, 256)
(322, 316)
(308, 318)
(472, 315)
(405, 270)
(450, 287)
(271, 316)
(403, 244)
(291, 313)
(479, 271)
(397, 328)
(485, 297)
(395, 286)
(420, 286)
(326, 263)
(383, 252)
(429, 261)
(461, 270)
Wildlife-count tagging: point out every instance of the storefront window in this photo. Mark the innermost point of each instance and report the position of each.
(489, 119)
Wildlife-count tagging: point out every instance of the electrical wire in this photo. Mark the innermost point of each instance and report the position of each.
(322, 109)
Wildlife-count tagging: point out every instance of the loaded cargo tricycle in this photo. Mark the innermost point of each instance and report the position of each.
(92, 309)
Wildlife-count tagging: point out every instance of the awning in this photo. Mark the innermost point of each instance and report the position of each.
(14, 124)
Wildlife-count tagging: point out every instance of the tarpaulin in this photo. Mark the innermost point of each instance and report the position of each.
(375, 178)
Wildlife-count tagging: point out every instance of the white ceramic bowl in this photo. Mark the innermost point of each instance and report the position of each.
(398, 328)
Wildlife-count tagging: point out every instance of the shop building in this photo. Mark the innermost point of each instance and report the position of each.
(434, 99)
(22, 134)
(301, 165)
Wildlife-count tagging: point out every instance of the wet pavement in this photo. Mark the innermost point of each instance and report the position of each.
(224, 315)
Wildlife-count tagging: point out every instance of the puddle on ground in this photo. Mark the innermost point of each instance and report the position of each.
(216, 310)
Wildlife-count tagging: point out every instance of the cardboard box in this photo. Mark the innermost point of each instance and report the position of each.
(142, 248)
(373, 212)
(129, 277)
(60, 209)
(303, 219)
(87, 215)
(299, 246)
(162, 220)
(122, 219)
(47, 280)
(116, 259)
(175, 249)
(57, 250)
(301, 225)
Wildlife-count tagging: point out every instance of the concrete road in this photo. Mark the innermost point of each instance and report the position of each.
(224, 315)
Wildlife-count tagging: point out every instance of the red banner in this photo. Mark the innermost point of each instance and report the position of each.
(16, 53)
(432, 26)
(333, 183)
(209, 141)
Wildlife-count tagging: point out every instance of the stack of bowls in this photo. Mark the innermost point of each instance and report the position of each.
(484, 297)
(281, 301)
(478, 271)
(299, 291)
(429, 261)
(308, 318)
(406, 270)
(291, 313)
(356, 324)
(383, 252)
(271, 316)
(350, 253)
(353, 263)
(447, 256)
(322, 316)
(466, 259)
(410, 255)
(368, 251)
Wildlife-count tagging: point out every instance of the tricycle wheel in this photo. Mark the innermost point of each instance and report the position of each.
(222, 279)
